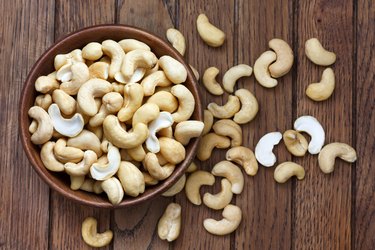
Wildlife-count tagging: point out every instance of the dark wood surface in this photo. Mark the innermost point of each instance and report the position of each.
(334, 211)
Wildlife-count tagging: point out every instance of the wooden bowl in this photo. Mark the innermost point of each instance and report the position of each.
(60, 181)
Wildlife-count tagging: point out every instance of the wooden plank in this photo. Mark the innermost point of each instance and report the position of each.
(322, 203)
(266, 205)
(364, 210)
(67, 216)
(26, 31)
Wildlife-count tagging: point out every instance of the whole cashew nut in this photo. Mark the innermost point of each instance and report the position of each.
(90, 235)
(173, 69)
(92, 51)
(80, 74)
(169, 224)
(103, 172)
(66, 103)
(295, 142)
(286, 170)
(210, 83)
(329, 153)
(227, 110)
(221, 199)
(311, 125)
(112, 187)
(137, 58)
(318, 54)
(208, 143)
(176, 188)
(232, 219)
(44, 130)
(186, 130)
(165, 101)
(194, 183)
(230, 171)
(66, 154)
(68, 127)
(229, 128)
(261, 71)
(117, 55)
(244, 157)
(131, 179)
(132, 44)
(133, 97)
(186, 103)
(172, 150)
(233, 74)
(213, 36)
(284, 57)
(208, 120)
(45, 84)
(322, 90)
(263, 149)
(150, 82)
(164, 120)
(48, 158)
(82, 168)
(153, 167)
(249, 106)
(177, 40)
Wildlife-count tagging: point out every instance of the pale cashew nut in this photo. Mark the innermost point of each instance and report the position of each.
(145, 114)
(131, 179)
(149, 180)
(44, 129)
(158, 78)
(68, 127)
(192, 168)
(164, 120)
(244, 157)
(133, 97)
(186, 103)
(92, 237)
(249, 106)
(221, 199)
(92, 51)
(172, 150)
(286, 170)
(284, 57)
(137, 58)
(152, 165)
(82, 168)
(230, 171)
(165, 101)
(232, 219)
(295, 142)
(264, 147)
(112, 103)
(173, 69)
(103, 172)
(186, 130)
(43, 101)
(208, 120)
(66, 103)
(48, 158)
(209, 142)
(66, 154)
(194, 183)
(99, 70)
(227, 110)
(45, 84)
(86, 140)
(210, 83)
(329, 153)
(233, 74)
(80, 74)
(318, 54)
(177, 40)
(229, 128)
(132, 44)
(138, 153)
(112, 187)
(76, 182)
(311, 125)
(116, 53)
(261, 71)
(176, 188)
(213, 36)
(322, 90)
(169, 224)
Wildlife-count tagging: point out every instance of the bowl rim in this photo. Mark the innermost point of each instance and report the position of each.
(24, 133)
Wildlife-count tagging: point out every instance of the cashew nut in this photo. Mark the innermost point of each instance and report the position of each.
(66, 154)
(132, 44)
(116, 53)
(295, 142)
(44, 130)
(210, 83)
(138, 153)
(90, 235)
(232, 219)
(145, 114)
(322, 90)
(45, 84)
(263, 150)
(221, 199)
(177, 40)
(133, 97)
(158, 78)
(68, 127)
(209, 142)
(112, 187)
(169, 224)
(131, 179)
(176, 188)
(213, 36)
(208, 120)
(102, 172)
(186, 130)
(48, 158)
(137, 58)
(244, 157)
(227, 110)
(249, 106)
(80, 74)
(172, 150)
(193, 184)
(92, 51)
(165, 101)
(261, 71)
(233, 74)
(99, 70)
(317, 54)
(311, 125)
(86, 140)
(284, 57)
(66, 103)
(43, 101)
(164, 120)
(186, 103)
(82, 168)
(230, 171)
(229, 128)
(173, 69)
(151, 164)
(286, 170)
(329, 153)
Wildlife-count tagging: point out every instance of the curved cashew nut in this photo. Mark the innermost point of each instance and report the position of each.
(169, 224)
(82, 168)
(322, 90)
(232, 219)
(229, 128)
(329, 153)
(131, 179)
(286, 170)
(138, 153)
(311, 125)
(86, 140)
(145, 114)
(284, 57)
(102, 172)
(92, 51)
(158, 172)
(116, 53)
(79, 75)
(230, 171)
(112, 103)
(44, 130)
(133, 97)
(112, 187)
(173, 69)
(318, 54)
(48, 158)
(66, 154)
(186, 130)
(176, 188)
(90, 235)
(213, 36)
(295, 142)
(45, 84)
(165, 101)
(172, 150)
(227, 110)
(68, 127)
(43, 101)
(164, 120)
(66, 103)
(65, 59)
(263, 150)
(221, 199)
(208, 120)
(233, 74)
(209, 142)
(244, 157)
(137, 58)
(177, 40)
(261, 71)
(157, 78)
(186, 103)
(193, 184)
(249, 106)
(132, 44)
(99, 70)
(210, 83)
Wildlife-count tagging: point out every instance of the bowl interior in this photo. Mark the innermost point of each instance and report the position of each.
(60, 181)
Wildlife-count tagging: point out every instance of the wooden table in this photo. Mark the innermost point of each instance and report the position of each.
(335, 211)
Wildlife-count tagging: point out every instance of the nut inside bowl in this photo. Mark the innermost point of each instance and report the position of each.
(45, 65)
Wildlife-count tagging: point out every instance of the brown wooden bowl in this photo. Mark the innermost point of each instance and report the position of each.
(60, 181)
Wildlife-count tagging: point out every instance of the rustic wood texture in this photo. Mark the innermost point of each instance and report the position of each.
(333, 211)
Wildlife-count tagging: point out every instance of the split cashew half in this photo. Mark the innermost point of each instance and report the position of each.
(208, 143)
(233, 74)
(92, 237)
(318, 54)
(177, 40)
(210, 83)
(103, 172)
(295, 142)
(176, 188)
(194, 183)
(68, 127)
(322, 90)
(221, 199)
(116, 53)
(131, 179)
(230, 171)
(44, 129)
(286, 170)
(249, 106)
(213, 36)
(186, 103)
(232, 219)
(261, 71)
(244, 157)
(329, 153)
(112, 187)
(311, 125)
(186, 130)
(227, 110)
(263, 149)
(169, 224)
(284, 57)
(229, 128)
